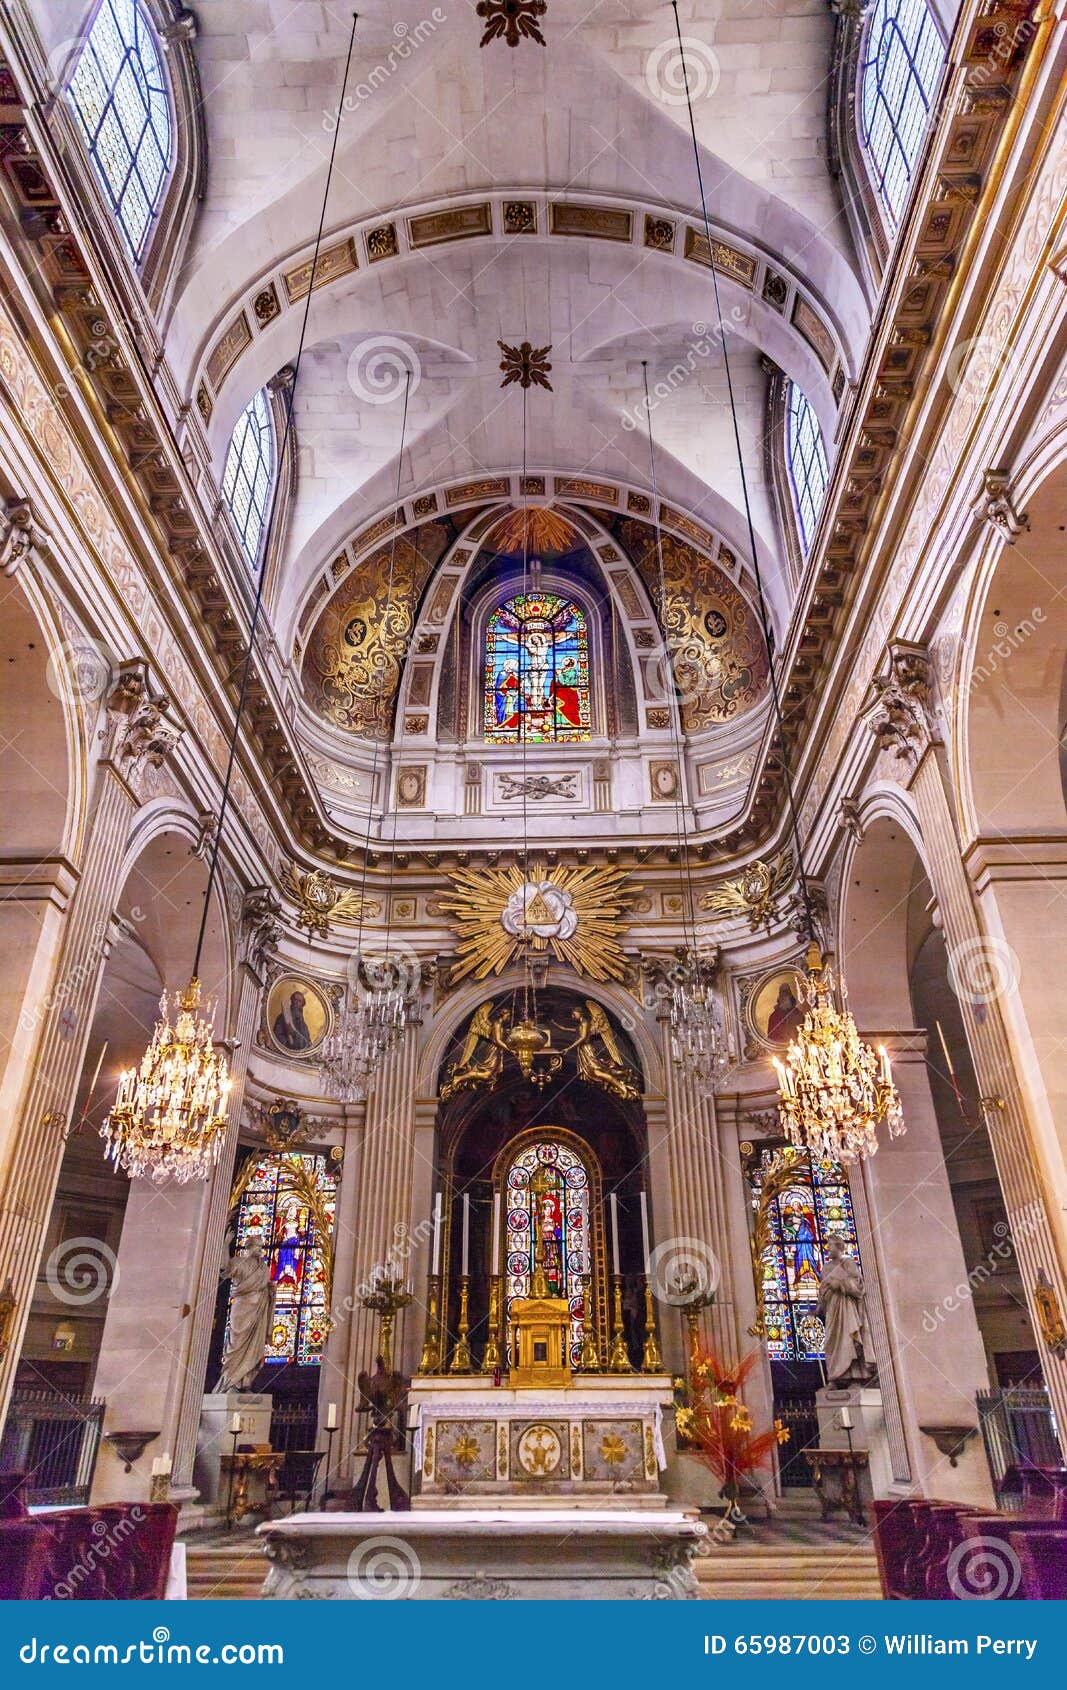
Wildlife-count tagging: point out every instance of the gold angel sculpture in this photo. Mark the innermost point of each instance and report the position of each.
(613, 1074)
(481, 1061)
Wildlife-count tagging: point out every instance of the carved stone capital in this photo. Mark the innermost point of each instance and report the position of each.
(848, 818)
(900, 705)
(20, 532)
(997, 505)
(181, 28)
(140, 729)
(260, 925)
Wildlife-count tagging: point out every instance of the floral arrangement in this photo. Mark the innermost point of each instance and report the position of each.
(716, 1423)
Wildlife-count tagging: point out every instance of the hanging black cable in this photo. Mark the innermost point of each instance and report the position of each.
(809, 920)
(257, 606)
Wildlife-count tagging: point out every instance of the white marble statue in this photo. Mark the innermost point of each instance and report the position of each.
(251, 1313)
(841, 1308)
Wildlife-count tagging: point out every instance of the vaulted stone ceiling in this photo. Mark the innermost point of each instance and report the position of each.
(593, 119)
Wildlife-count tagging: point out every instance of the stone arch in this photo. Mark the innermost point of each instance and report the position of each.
(45, 708)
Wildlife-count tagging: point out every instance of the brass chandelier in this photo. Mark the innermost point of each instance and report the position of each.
(169, 1114)
(833, 1088)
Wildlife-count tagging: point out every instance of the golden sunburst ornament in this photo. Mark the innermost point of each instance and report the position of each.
(534, 530)
(572, 913)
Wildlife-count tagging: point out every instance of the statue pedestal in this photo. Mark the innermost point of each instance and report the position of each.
(215, 1439)
(864, 1403)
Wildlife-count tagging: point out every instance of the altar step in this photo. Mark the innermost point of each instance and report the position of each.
(788, 1575)
(226, 1572)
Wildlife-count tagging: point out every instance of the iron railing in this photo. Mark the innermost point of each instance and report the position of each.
(294, 1425)
(798, 1416)
(53, 1438)
(1019, 1433)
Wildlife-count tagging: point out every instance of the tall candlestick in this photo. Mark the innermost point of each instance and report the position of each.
(944, 1047)
(644, 1229)
(331, 1417)
(615, 1234)
(494, 1265)
(466, 1267)
(435, 1270)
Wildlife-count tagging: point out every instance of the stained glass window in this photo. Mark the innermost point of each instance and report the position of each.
(537, 671)
(808, 1203)
(901, 70)
(119, 97)
(547, 1203)
(274, 1215)
(249, 471)
(808, 472)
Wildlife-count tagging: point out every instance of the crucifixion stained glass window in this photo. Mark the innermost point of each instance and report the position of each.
(547, 1204)
(900, 73)
(119, 98)
(274, 1214)
(537, 671)
(807, 1203)
(248, 475)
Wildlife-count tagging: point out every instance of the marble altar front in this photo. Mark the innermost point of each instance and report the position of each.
(602, 1437)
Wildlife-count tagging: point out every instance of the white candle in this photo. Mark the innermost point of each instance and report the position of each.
(235, 1422)
(164, 1466)
(615, 1234)
(644, 1230)
(884, 1054)
(436, 1267)
(494, 1265)
(155, 1468)
(846, 1420)
(466, 1266)
(331, 1417)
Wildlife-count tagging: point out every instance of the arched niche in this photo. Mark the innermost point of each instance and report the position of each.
(39, 763)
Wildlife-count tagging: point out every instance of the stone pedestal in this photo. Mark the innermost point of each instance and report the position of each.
(215, 1438)
(864, 1403)
(494, 1554)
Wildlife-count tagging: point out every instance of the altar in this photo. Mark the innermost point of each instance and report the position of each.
(599, 1442)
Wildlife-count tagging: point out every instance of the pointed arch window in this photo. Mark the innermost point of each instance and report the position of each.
(121, 103)
(901, 68)
(248, 475)
(536, 686)
(806, 458)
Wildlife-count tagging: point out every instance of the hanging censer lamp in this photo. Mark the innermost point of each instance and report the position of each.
(169, 1115)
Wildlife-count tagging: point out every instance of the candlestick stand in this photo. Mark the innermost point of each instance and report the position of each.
(160, 1487)
(651, 1361)
(619, 1358)
(386, 1301)
(492, 1359)
(430, 1360)
(331, 1433)
(461, 1356)
(589, 1360)
(233, 1470)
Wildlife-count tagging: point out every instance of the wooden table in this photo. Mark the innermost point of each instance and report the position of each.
(253, 1475)
(835, 1473)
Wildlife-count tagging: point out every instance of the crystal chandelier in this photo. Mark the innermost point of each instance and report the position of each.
(367, 1029)
(698, 1040)
(168, 1116)
(834, 1088)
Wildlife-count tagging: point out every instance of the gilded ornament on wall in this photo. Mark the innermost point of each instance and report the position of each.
(351, 673)
(320, 901)
(755, 892)
(573, 914)
(718, 650)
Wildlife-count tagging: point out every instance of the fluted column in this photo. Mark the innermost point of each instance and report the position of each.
(337, 1371)
(44, 1070)
(1020, 1156)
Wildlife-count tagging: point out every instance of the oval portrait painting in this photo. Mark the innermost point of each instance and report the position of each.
(776, 1007)
(298, 1016)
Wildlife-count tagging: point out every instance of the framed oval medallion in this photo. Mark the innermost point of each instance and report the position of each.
(299, 1016)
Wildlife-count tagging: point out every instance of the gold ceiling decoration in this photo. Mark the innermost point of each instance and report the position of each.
(494, 1038)
(718, 650)
(526, 364)
(352, 670)
(512, 21)
(571, 913)
(755, 892)
(321, 901)
(534, 530)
